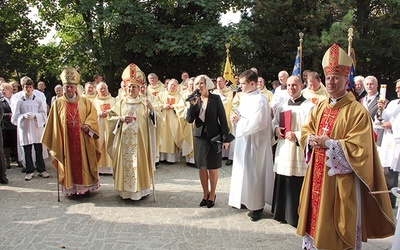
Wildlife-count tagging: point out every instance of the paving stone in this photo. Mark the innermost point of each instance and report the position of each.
(31, 217)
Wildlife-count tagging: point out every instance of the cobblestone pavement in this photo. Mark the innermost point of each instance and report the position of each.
(31, 217)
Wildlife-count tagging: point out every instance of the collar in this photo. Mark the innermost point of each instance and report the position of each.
(333, 101)
(296, 102)
(32, 97)
(71, 99)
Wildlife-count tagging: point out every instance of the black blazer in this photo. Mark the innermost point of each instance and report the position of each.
(215, 118)
(6, 121)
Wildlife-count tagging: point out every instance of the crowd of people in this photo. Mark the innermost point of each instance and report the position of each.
(314, 151)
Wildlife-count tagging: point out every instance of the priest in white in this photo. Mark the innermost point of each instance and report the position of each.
(389, 150)
(290, 164)
(252, 179)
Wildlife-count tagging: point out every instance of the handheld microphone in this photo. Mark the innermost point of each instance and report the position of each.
(193, 95)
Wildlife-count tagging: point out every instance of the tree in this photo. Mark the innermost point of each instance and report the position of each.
(19, 37)
(164, 37)
(272, 28)
(275, 27)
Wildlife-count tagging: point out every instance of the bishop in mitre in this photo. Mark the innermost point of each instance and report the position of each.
(132, 123)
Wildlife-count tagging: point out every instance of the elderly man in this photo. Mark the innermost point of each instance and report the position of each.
(174, 141)
(155, 86)
(132, 122)
(103, 104)
(315, 91)
(370, 100)
(58, 89)
(15, 86)
(337, 209)
(90, 92)
(359, 87)
(73, 121)
(280, 94)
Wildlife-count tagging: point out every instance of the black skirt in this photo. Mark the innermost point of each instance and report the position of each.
(9, 138)
(205, 156)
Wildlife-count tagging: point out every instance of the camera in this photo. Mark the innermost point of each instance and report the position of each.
(193, 95)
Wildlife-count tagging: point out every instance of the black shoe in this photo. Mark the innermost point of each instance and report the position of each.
(8, 167)
(3, 180)
(203, 203)
(228, 162)
(211, 203)
(224, 158)
(23, 170)
(256, 215)
(242, 206)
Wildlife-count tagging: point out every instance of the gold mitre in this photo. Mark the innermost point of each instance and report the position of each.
(336, 61)
(70, 76)
(133, 74)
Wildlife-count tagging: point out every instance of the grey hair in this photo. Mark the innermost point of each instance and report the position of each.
(99, 85)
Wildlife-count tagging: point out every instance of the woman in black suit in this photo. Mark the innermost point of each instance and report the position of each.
(9, 130)
(207, 111)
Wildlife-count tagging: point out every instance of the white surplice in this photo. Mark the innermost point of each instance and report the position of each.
(252, 181)
(289, 156)
(14, 98)
(29, 130)
(390, 147)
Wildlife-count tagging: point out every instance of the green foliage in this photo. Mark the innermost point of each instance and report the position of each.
(169, 36)
(165, 37)
(19, 37)
(338, 31)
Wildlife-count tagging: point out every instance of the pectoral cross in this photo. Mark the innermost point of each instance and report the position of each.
(329, 119)
(73, 121)
(325, 129)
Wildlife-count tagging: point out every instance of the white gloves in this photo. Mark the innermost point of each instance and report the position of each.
(29, 116)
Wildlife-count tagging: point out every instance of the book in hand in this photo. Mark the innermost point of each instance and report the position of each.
(285, 120)
(217, 141)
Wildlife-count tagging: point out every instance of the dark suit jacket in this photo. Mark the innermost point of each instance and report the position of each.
(372, 106)
(215, 118)
(361, 95)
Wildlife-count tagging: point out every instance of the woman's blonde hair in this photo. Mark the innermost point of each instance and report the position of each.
(209, 83)
(7, 86)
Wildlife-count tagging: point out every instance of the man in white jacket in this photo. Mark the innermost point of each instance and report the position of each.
(252, 174)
